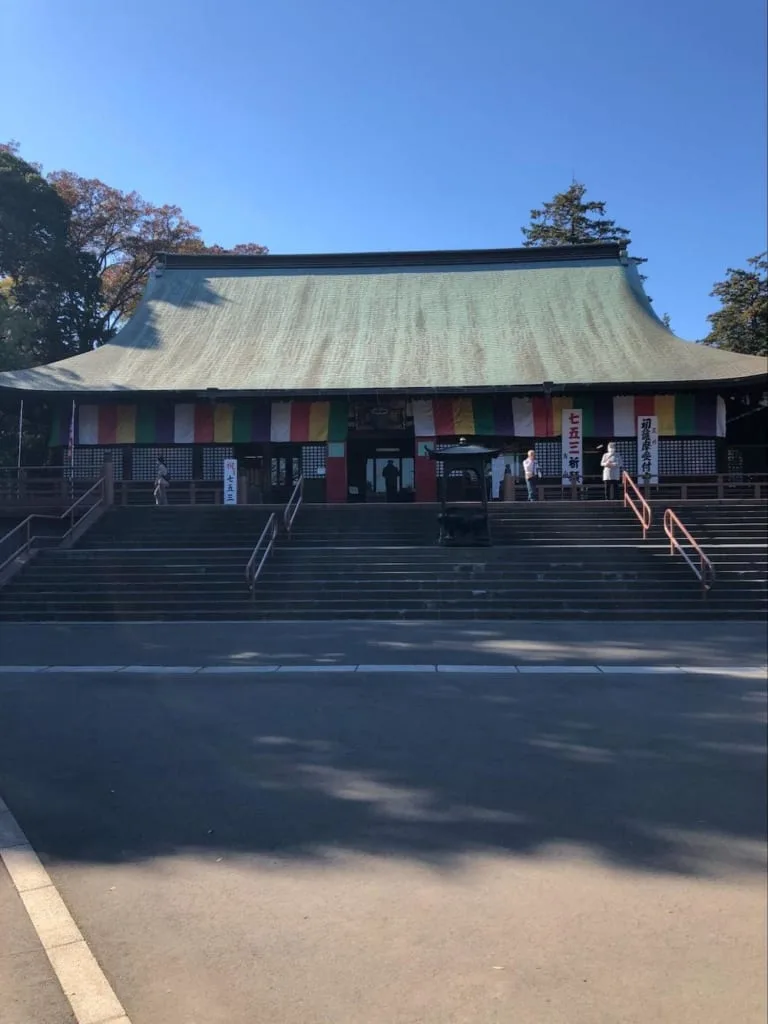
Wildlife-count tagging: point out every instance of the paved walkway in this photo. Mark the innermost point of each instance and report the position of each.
(709, 644)
(457, 847)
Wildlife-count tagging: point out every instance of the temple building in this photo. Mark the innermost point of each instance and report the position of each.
(333, 366)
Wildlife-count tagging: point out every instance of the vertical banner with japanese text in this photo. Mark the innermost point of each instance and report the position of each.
(647, 449)
(573, 445)
(230, 481)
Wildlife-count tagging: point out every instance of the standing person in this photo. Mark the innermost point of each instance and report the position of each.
(391, 475)
(532, 472)
(497, 474)
(161, 483)
(612, 465)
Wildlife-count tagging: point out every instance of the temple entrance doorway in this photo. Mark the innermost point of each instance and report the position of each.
(380, 470)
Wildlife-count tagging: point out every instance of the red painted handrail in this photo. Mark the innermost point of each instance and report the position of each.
(705, 571)
(643, 511)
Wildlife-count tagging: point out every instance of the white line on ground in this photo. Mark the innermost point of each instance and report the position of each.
(82, 980)
(397, 668)
(752, 671)
(478, 668)
(22, 668)
(560, 669)
(84, 668)
(236, 670)
(321, 668)
(638, 670)
(165, 670)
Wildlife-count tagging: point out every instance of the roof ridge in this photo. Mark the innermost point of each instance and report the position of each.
(406, 258)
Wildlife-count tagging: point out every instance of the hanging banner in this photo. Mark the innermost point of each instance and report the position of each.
(573, 445)
(230, 481)
(648, 449)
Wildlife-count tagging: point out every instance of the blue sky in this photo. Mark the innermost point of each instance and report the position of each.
(324, 125)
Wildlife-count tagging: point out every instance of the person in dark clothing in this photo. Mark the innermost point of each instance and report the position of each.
(391, 476)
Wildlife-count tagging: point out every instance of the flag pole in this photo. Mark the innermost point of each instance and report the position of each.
(72, 451)
(21, 427)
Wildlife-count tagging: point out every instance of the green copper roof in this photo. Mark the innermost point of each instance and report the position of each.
(392, 322)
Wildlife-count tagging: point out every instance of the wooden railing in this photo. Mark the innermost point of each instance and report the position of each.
(293, 505)
(704, 571)
(262, 551)
(634, 499)
(725, 487)
(22, 538)
(52, 490)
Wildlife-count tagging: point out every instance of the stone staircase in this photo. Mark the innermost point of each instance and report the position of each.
(548, 561)
(734, 536)
(142, 564)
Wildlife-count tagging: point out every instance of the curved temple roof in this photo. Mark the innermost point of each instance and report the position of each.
(442, 321)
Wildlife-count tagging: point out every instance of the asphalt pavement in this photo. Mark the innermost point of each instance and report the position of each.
(381, 847)
(720, 644)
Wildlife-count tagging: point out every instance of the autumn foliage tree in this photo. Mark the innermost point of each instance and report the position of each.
(75, 255)
(123, 232)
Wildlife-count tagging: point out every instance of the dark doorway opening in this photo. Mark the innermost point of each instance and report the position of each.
(285, 470)
(250, 470)
(380, 469)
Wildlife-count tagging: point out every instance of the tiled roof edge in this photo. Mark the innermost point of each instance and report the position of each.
(429, 258)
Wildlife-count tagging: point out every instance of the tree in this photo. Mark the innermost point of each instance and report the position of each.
(49, 289)
(569, 219)
(741, 323)
(49, 294)
(123, 233)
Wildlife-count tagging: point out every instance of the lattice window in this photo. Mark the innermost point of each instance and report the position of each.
(87, 462)
(438, 447)
(687, 457)
(735, 464)
(549, 455)
(313, 460)
(627, 449)
(178, 459)
(213, 461)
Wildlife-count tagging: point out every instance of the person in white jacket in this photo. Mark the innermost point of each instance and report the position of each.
(612, 466)
(532, 472)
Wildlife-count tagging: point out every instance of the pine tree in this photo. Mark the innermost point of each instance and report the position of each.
(570, 219)
(741, 323)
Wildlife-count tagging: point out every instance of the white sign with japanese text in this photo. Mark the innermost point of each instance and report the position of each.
(230, 481)
(573, 445)
(647, 449)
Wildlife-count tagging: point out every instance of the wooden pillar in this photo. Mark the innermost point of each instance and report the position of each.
(425, 471)
(266, 473)
(508, 490)
(336, 472)
(108, 472)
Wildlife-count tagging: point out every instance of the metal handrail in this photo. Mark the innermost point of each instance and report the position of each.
(266, 541)
(26, 524)
(643, 511)
(70, 512)
(705, 572)
(293, 505)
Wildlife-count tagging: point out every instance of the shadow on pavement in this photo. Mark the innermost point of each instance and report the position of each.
(721, 644)
(661, 773)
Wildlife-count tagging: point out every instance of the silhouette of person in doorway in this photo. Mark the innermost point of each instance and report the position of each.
(391, 476)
